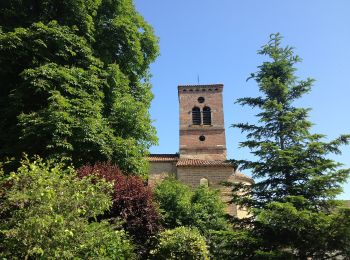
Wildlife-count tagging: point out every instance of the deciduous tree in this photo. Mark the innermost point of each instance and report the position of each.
(75, 81)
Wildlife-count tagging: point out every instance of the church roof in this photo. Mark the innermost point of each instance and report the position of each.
(166, 157)
(203, 163)
(183, 162)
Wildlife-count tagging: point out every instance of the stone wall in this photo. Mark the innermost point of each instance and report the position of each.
(160, 170)
(215, 175)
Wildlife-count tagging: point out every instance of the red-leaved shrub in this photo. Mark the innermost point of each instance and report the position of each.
(132, 201)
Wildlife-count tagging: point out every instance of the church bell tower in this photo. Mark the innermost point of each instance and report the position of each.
(202, 131)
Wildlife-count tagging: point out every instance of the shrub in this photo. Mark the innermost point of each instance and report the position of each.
(174, 200)
(208, 210)
(132, 201)
(201, 208)
(47, 212)
(180, 243)
(230, 244)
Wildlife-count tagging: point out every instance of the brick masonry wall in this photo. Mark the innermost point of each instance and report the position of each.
(188, 98)
(214, 145)
(240, 211)
(159, 171)
(215, 175)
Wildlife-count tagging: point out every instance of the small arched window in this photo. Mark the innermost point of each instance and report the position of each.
(206, 116)
(196, 116)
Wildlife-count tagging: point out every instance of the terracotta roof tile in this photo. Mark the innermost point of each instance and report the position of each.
(163, 157)
(203, 163)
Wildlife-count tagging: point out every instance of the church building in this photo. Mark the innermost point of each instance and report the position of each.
(202, 153)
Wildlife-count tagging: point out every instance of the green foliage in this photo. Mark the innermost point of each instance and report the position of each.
(201, 208)
(286, 224)
(208, 210)
(75, 14)
(133, 204)
(180, 243)
(47, 212)
(293, 197)
(229, 244)
(75, 81)
(174, 200)
(291, 160)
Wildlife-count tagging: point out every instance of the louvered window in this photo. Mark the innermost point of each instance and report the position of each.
(206, 116)
(196, 116)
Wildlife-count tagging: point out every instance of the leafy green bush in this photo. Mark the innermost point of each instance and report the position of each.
(180, 243)
(46, 211)
(230, 244)
(201, 208)
(208, 210)
(174, 200)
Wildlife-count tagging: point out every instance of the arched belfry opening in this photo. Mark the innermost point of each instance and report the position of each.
(206, 116)
(196, 116)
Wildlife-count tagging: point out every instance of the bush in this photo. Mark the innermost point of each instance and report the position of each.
(132, 201)
(180, 206)
(180, 243)
(174, 200)
(231, 244)
(208, 210)
(47, 212)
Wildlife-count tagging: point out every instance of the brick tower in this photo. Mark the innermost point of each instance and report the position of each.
(202, 131)
(202, 157)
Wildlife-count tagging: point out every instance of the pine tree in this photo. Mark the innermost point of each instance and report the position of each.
(293, 199)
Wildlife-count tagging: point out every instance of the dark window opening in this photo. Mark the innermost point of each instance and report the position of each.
(206, 116)
(202, 138)
(196, 116)
(201, 99)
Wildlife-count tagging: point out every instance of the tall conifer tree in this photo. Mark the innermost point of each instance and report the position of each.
(293, 199)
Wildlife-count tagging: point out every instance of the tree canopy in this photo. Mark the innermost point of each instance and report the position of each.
(75, 81)
(293, 199)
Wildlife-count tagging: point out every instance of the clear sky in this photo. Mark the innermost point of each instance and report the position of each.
(217, 40)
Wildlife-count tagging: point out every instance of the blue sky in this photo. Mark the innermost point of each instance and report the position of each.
(217, 40)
